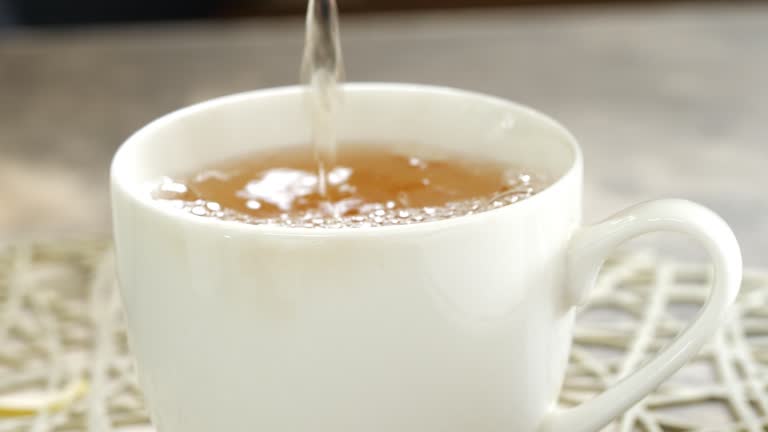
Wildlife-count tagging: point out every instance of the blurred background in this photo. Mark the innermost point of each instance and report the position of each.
(668, 98)
(52, 12)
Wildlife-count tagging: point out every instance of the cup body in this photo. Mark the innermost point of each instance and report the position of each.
(455, 325)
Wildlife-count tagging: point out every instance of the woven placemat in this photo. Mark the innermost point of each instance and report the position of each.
(65, 365)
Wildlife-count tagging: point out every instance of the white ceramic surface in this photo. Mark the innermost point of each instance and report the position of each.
(456, 325)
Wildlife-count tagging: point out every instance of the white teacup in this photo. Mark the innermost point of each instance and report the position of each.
(459, 325)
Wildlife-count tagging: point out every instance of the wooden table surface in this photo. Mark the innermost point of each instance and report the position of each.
(667, 100)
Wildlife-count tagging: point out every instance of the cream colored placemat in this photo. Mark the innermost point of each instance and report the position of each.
(65, 365)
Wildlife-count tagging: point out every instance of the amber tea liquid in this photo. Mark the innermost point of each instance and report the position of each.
(369, 186)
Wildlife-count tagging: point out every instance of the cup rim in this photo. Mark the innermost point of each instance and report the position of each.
(117, 181)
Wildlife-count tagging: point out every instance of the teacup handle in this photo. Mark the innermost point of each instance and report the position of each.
(587, 252)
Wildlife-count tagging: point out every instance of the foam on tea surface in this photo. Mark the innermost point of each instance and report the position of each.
(367, 187)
